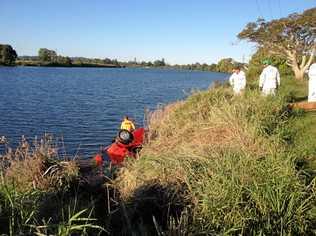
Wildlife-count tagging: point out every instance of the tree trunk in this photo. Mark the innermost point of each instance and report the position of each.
(299, 73)
(299, 70)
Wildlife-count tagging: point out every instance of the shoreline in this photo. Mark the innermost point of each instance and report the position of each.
(111, 67)
(70, 65)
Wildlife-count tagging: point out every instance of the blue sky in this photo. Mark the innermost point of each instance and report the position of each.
(181, 31)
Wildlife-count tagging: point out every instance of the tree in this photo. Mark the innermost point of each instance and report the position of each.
(204, 67)
(107, 61)
(226, 65)
(46, 55)
(66, 61)
(292, 37)
(213, 67)
(115, 62)
(7, 55)
(150, 63)
(159, 63)
(255, 64)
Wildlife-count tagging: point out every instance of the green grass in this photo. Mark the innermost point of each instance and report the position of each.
(236, 156)
(293, 90)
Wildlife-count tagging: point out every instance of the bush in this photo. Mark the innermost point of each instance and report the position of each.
(255, 67)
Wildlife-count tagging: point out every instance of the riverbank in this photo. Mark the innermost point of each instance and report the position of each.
(243, 165)
(51, 64)
(214, 163)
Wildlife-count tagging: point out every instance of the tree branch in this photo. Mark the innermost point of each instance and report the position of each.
(289, 64)
(303, 62)
(310, 58)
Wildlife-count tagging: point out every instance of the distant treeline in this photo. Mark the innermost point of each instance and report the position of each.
(47, 57)
(224, 65)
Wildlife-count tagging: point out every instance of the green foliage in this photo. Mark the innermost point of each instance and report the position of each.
(147, 64)
(292, 38)
(159, 63)
(73, 223)
(19, 214)
(213, 67)
(83, 61)
(293, 90)
(46, 55)
(304, 145)
(107, 61)
(17, 208)
(198, 66)
(76, 223)
(64, 60)
(7, 55)
(295, 32)
(226, 65)
(255, 64)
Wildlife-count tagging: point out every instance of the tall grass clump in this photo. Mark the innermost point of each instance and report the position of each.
(38, 193)
(37, 166)
(229, 157)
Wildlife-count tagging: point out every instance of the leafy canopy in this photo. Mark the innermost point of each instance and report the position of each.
(292, 37)
(295, 32)
(7, 55)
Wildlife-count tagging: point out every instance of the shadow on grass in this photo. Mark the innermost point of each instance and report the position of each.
(151, 209)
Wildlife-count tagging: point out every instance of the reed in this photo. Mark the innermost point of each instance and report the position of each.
(35, 195)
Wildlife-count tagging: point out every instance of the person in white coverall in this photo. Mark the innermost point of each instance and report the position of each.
(269, 79)
(238, 80)
(312, 83)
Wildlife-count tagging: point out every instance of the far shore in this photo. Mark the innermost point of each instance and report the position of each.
(91, 65)
(39, 64)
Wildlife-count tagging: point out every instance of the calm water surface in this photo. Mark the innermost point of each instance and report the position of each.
(84, 106)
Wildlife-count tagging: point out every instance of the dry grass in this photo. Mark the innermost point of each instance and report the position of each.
(37, 167)
(201, 124)
(207, 123)
(36, 189)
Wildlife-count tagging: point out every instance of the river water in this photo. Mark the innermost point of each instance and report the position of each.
(83, 107)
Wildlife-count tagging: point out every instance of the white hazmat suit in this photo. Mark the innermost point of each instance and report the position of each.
(269, 80)
(312, 83)
(238, 81)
